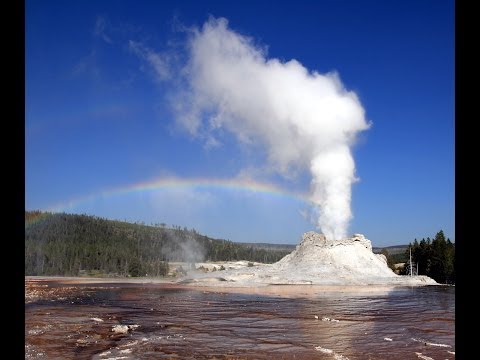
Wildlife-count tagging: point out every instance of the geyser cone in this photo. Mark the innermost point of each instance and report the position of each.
(318, 260)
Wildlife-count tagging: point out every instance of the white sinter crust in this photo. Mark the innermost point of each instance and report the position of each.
(318, 261)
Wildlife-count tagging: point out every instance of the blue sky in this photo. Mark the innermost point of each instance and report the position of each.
(99, 123)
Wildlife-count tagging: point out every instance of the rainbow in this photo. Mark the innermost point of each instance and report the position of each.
(35, 218)
(170, 183)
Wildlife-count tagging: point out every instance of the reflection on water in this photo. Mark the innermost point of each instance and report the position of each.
(297, 322)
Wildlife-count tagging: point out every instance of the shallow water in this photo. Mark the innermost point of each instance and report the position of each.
(75, 322)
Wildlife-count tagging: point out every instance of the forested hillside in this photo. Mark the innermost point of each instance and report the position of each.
(68, 244)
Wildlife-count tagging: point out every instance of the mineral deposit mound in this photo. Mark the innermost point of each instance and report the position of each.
(318, 261)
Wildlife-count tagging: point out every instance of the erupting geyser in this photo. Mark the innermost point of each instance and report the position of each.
(304, 120)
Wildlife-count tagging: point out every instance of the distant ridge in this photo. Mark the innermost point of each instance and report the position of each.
(268, 246)
(392, 250)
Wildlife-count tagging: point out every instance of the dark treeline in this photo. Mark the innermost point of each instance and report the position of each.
(435, 258)
(70, 245)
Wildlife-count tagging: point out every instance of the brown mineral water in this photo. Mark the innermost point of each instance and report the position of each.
(164, 321)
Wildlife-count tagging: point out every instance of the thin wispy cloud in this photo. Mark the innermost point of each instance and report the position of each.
(159, 62)
(101, 29)
(108, 38)
(87, 65)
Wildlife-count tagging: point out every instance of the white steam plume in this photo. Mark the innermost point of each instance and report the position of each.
(305, 120)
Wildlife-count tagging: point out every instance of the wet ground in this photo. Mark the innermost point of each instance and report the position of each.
(134, 320)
